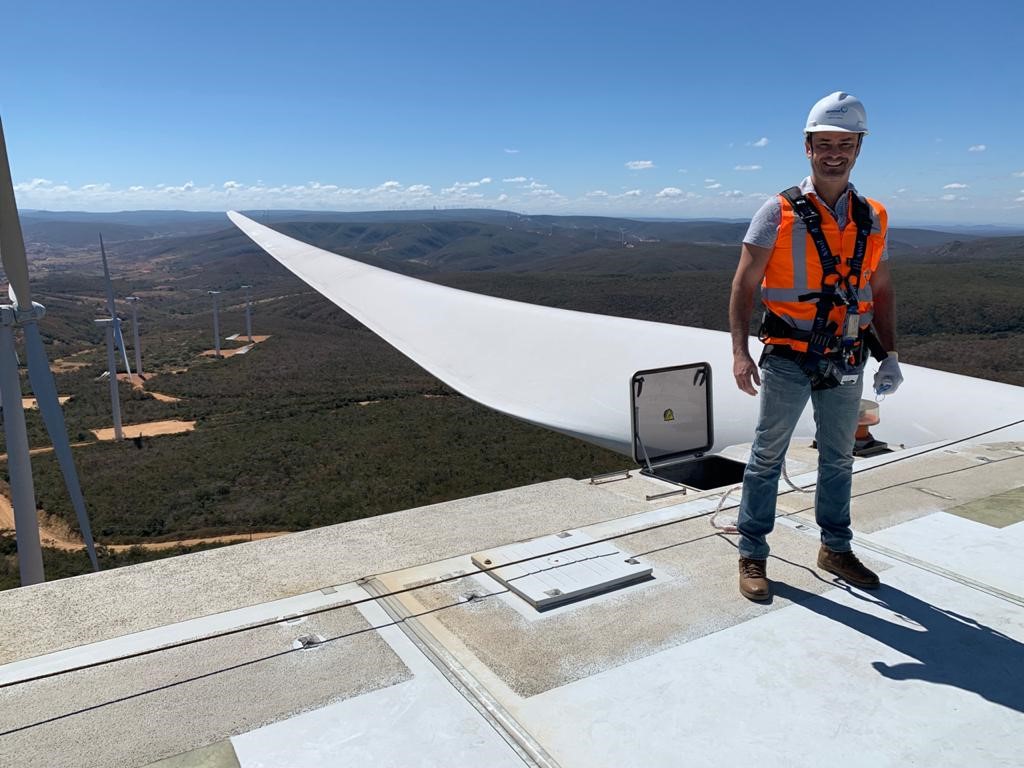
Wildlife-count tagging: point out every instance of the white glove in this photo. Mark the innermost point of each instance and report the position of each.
(888, 378)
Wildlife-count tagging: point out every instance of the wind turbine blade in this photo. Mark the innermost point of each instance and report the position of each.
(570, 371)
(49, 406)
(12, 246)
(119, 338)
(106, 278)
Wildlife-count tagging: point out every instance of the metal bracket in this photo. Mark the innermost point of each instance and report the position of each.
(611, 477)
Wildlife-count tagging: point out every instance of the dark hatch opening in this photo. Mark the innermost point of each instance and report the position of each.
(673, 428)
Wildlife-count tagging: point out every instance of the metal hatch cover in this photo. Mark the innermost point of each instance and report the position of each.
(545, 575)
(672, 416)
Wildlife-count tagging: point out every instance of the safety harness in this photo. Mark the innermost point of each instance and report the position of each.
(831, 359)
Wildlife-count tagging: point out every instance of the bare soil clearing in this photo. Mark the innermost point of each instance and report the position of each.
(30, 402)
(55, 534)
(149, 429)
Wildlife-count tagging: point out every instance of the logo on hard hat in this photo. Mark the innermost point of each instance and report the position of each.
(840, 110)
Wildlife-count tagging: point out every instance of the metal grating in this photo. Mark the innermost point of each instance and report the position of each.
(544, 575)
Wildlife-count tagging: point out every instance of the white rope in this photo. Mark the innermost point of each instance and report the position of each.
(789, 482)
(731, 527)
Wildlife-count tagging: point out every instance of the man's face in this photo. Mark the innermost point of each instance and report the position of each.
(832, 154)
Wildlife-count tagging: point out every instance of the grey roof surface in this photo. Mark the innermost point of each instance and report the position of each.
(449, 668)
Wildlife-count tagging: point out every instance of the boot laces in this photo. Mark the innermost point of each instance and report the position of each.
(753, 569)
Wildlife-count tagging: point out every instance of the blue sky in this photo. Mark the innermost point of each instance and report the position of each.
(638, 108)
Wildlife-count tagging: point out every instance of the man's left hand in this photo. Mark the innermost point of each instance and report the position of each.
(889, 377)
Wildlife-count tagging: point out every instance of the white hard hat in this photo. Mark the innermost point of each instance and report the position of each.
(838, 112)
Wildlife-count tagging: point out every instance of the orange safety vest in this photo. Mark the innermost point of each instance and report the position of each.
(794, 268)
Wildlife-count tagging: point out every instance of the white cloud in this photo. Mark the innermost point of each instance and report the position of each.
(536, 185)
(461, 188)
(1018, 174)
(502, 197)
(1019, 199)
(631, 193)
(762, 142)
(674, 193)
(312, 195)
(716, 185)
(639, 165)
(683, 170)
(732, 193)
(977, 148)
(597, 193)
(709, 181)
(950, 197)
(747, 168)
(515, 180)
(511, 151)
(955, 185)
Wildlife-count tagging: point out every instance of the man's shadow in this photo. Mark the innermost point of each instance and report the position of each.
(949, 649)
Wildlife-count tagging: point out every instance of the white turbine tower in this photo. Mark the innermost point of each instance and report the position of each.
(248, 311)
(216, 322)
(134, 300)
(115, 400)
(25, 313)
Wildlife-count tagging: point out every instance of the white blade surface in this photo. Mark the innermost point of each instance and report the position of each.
(566, 370)
(49, 406)
(570, 371)
(12, 246)
(118, 337)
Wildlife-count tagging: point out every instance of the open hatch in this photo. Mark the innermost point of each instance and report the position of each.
(673, 428)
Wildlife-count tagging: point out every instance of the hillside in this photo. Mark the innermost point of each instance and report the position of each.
(324, 422)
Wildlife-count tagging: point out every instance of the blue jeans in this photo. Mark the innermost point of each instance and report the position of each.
(784, 393)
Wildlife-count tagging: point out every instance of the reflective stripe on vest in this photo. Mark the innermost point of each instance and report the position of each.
(794, 268)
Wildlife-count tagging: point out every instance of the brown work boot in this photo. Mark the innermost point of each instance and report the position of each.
(753, 579)
(846, 566)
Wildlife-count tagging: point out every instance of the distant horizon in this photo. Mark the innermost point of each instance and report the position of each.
(1011, 228)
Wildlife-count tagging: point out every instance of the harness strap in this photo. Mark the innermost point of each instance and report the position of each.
(835, 289)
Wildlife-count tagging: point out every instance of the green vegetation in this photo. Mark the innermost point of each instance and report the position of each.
(325, 423)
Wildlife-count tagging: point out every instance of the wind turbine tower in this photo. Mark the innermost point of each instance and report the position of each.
(216, 322)
(115, 400)
(248, 311)
(25, 313)
(133, 300)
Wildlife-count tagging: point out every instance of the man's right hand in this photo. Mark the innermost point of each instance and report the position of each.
(744, 370)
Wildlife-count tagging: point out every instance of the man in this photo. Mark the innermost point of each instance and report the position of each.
(818, 251)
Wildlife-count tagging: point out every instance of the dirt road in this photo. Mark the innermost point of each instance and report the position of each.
(54, 534)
